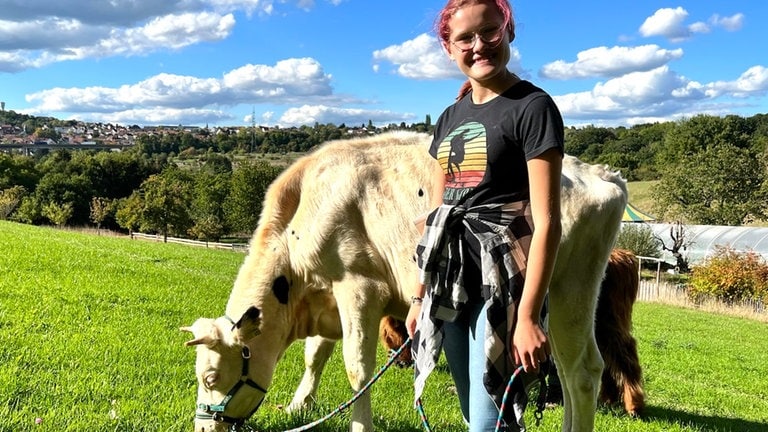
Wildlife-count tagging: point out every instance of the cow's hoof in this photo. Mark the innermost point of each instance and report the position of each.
(297, 406)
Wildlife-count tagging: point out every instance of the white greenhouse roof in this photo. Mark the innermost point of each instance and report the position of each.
(705, 238)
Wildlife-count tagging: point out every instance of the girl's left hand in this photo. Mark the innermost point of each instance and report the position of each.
(530, 345)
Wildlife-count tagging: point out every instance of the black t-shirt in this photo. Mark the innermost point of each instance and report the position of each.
(484, 148)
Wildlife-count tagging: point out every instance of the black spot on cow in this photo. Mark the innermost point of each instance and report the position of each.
(253, 313)
(280, 289)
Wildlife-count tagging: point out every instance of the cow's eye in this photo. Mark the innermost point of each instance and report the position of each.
(210, 379)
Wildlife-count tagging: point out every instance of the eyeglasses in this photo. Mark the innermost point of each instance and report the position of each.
(491, 37)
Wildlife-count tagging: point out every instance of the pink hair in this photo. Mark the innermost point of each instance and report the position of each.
(443, 30)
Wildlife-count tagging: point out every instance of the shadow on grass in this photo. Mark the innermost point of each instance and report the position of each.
(337, 425)
(703, 422)
(340, 422)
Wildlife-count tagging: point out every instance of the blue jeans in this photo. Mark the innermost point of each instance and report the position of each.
(463, 347)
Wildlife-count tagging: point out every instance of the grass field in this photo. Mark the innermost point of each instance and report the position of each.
(640, 194)
(90, 341)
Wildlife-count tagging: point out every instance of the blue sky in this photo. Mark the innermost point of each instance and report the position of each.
(297, 62)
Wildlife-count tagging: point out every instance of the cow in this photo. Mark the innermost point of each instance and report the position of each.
(334, 252)
(622, 374)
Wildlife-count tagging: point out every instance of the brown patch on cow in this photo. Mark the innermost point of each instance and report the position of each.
(622, 375)
(393, 334)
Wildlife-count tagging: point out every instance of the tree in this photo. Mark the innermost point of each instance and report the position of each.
(18, 170)
(216, 163)
(118, 174)
(681, 239)
(58, 187)
(720, 185)
(47, 133)
(587, 142)
(249, 184)
(692, 136)
(639, 238)
(130, 212)
(57, 213)
(166, 203)
(207, 206)
(101, 208)
(29, 211)
(10, 199)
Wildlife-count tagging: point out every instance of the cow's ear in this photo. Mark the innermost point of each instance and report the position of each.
(247, 327)
(205, 333)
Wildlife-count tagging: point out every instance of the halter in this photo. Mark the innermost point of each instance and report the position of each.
(217, 412)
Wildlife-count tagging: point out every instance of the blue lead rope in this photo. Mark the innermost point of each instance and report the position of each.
(499, 420)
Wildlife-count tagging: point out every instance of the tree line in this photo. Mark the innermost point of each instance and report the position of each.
(709, 170)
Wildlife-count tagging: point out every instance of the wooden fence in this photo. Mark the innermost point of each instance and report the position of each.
(237, 247)
(650, 290)
(669, 293)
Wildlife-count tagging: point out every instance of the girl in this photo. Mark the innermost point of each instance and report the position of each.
(488, 250)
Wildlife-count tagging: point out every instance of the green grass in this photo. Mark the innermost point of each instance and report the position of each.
(640, 194)
(90, 341)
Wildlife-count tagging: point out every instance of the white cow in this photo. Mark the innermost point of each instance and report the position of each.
(333, 253)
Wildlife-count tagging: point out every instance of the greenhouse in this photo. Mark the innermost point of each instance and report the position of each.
(704, 239)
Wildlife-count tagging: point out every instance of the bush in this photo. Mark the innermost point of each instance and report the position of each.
(639, 238)
(730, 276)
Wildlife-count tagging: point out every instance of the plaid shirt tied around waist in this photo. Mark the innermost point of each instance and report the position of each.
(504, 233)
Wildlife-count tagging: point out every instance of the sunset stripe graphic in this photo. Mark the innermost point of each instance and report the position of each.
(462, 154)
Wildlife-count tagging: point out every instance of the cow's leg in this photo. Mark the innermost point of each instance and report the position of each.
(579, 369)
(317, 351)
(360, 311)
(626, 369)
(579, 364)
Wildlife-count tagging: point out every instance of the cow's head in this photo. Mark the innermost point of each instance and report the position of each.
(237, 355)
(230, 388)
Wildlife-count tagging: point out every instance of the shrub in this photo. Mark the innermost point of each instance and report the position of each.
(730, 276)
(639, 238)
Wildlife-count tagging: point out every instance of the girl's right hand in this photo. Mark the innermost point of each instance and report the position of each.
(412, 318)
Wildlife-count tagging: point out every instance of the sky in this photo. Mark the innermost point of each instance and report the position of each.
(300, 62)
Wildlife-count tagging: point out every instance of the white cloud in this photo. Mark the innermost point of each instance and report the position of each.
(753, 82)
(56, 40)
(41, 32)
(288, 81)
(51, 33)
(610, 62)
(731, 23)
(267, 117)
(418, 58)
(113, 13)
(163, 116)
(14, 62)
(168, 32)
(659, 94)
(310, 114)
(670, 23)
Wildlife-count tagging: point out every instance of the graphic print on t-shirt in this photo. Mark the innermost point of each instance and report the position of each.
(462, 154)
